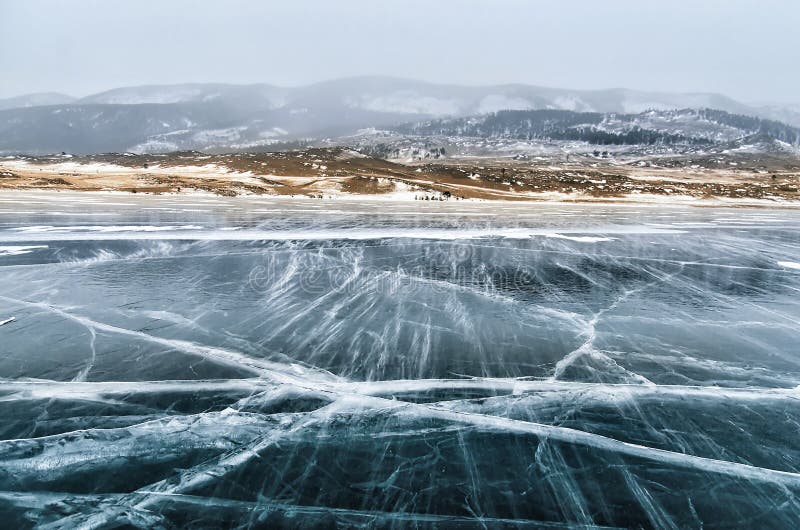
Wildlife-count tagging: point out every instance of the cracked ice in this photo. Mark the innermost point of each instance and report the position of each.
(312, 364)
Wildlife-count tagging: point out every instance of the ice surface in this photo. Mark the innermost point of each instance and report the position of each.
(267, 363)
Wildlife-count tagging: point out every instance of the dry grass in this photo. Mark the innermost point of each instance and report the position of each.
(323, 172)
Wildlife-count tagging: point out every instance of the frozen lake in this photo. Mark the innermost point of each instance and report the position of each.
(178, 361)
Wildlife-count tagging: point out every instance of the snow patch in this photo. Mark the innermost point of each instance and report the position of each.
(581, 239)
(406, 102)
(16, 250)
(101, 229)
(496, 102)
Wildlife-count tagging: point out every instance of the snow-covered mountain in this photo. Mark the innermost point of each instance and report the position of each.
(257, 97)
(686, 127)
(221, 116)
(403, 96)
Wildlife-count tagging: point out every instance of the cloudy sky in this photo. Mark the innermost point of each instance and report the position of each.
(749, 50)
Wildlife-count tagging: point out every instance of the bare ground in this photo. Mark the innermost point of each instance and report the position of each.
(337, 171)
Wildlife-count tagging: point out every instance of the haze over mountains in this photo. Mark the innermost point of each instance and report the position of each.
(234, 117)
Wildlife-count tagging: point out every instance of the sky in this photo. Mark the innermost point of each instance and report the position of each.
(749, 50)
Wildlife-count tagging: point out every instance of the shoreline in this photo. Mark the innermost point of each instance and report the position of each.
(633, 200)
(339, 174)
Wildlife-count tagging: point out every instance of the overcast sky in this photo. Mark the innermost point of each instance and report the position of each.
(749, 50)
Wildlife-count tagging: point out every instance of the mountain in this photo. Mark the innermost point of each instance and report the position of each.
(35, 100)
(404, 96)
(232, 117)
(257, 97)
(686, 126)
(149, 127)
(400, 95)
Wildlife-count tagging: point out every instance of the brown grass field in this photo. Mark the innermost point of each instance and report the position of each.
(337, 171)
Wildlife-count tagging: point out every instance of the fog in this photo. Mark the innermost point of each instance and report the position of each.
(744, 49)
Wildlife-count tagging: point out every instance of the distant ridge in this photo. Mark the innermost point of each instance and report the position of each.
(225, 116)
(36, 100)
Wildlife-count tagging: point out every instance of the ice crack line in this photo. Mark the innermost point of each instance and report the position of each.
(101, 390)
(276, 371)
(347, 404)
(587, 348)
